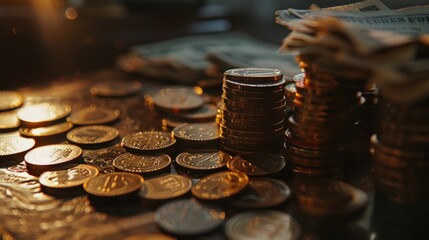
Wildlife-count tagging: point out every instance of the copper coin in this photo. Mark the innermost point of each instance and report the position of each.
(257, 164)
(94, 115)
(197, 131)
(74, 176)
(148, 141)
(164, 187)
(10, 100)
(48, 131)
(92, 135)
(254, 75)
(42, 114)
(113, 184)
(203, 160)
(116, 88)
(141, 164)
(220, 185)
(177, 100)
(14, 145)
(8, 121)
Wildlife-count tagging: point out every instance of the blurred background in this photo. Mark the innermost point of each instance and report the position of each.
(43, 39)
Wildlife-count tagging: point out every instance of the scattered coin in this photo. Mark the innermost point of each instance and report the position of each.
(267, 224)
(177, 100)
(94, 115)
(208, 159)
(257, 164)
(164, 187)
(188, 217)
(116, 88)
(92, 135)
(142, 164)
(149, 236)
(205, 113)
(113, 184)
(49, 131)
(8, 121)
(12, 146)
(10, 100)
(220, 185)
(197, 135)
(43, 114)
(148, 141)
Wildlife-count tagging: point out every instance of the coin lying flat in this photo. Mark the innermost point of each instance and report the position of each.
(42, 114)
(47, 157)
(116, 89)
(263, 193)
(14, 145)
(10, 100)
(40, 132)
(257, 164)
(254, 75)
(141, 164)
(92, 135)
(188, 217)
(113, 184)
(267, 224)
(220, 185)
(164, 187)
(94, 115)
(148, 141)
(177, 100)
(208, 159)
(8, 121)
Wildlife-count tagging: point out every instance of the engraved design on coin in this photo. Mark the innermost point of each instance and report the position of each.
(141, 163)
(204, 160)
(113, 184)
(165, 187)
(53, 154)
(67, 178)
(149, 140)
(197, 131)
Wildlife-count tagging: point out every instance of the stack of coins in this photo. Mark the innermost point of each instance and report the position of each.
(401, 152)
(321, 124)
(252, 110)
(197, 136)
(113, 185)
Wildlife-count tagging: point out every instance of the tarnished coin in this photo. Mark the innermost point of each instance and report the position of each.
(141, 164)
(263, 193)
(208, 159)
(257, 164)
(52, 130)
(220, 185)
(113, 184)
(14, 145)
(149, 236)
(205, 113)
(148, 141)
(92, 135)
(94, 115)
(66, 178)
(188, 217)
(47, 157)
(116, 88)
(197, 131)
(43, 114)
(10, 100)
(177, 100)
(8, 121)
(253, 75)
(267, 224)
(164, 187)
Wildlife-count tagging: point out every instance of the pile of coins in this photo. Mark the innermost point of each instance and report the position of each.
(401, 152)
(252, 110)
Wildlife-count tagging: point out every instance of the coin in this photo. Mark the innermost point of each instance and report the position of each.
(164, 187)
(263, 193)
(94, 115)
(267, 224)
(43, 114)
(266, 87)
(208, 159)
(299, 77)
(148, 141)
(257, 164)
(253, 75)
(220, 185)
(177, 100)
(92, 135)
(205, 113)
(67, 177)
(47, 157)
(141, 164)
(116, 88)
(10, 100)
(8, 121)
(12, 146)
(188, 217)
(49, 131)
(197, 132)
(149, 236)
(113, 184)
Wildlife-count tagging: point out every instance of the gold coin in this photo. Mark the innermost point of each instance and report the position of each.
(203, 160)
(128, 162)
(220, 185)
(42, 114)
(94, 115)
(91, 135)
(10, 100)
(197, 131)
(116, 89)
(148, 141)
(46, 131)
(165, 187)
(177, 100)
(13, 145)
(8, 121)
(68, 178)
(113, 184)
(257, 164)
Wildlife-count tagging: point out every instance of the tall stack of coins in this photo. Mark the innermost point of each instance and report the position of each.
(401, 152)
(252, 110)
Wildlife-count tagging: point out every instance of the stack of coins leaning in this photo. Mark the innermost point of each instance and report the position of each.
(252, 110)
